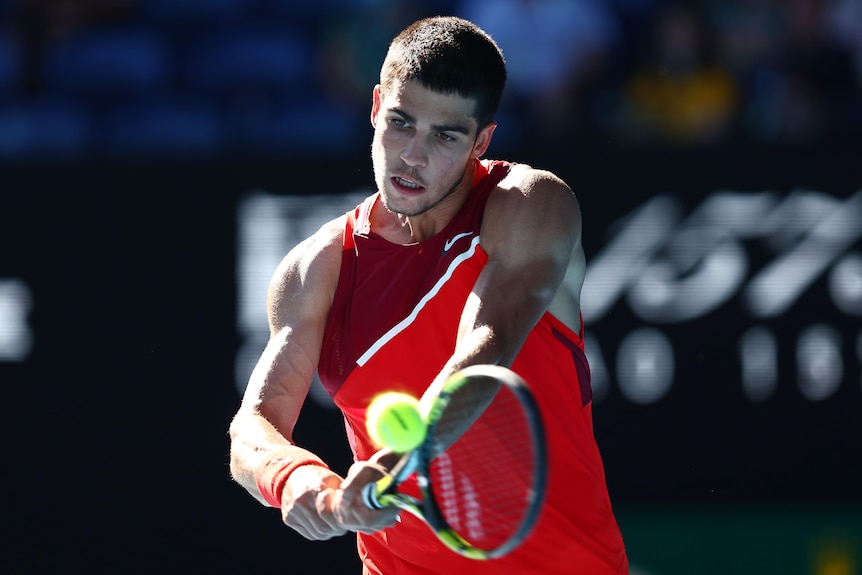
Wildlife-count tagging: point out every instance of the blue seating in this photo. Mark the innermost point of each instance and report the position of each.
(108, 62)
(309, 127)
(297, 11)
(164, 129)
(189, 11)
(180, 78)
(249, 59)
(45, 129)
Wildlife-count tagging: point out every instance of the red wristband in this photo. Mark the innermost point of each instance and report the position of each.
(277, 467)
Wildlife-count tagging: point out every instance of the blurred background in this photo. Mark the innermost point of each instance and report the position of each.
(158, 158)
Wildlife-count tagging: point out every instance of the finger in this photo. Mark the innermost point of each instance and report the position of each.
(360, 474)
(328, 503)
(303, 523)
(355, 515)
(305, 526)
(386, 458)
(383, 519)
(312, 518)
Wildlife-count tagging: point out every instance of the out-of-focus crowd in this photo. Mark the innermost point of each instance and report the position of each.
(215, 78)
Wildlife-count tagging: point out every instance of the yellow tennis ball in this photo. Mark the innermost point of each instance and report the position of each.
(394, 421)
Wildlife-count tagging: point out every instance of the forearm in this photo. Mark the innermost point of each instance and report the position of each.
(270, 407)
(479, 346)
(495, 322)
(252, 440)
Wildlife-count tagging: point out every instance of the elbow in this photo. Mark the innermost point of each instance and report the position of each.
(484, 345)
(236, 459)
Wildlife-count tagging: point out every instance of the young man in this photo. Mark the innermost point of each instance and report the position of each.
(455, 261)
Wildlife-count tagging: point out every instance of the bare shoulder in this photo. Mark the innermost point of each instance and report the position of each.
(533, 223)
(533, 183)
(530, 204)
(304, 283)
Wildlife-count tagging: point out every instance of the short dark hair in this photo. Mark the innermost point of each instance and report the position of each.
(448, 55)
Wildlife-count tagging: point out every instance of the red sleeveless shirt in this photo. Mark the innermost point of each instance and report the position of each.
(393, 325)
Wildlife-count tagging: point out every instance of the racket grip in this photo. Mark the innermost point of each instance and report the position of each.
(370, 496)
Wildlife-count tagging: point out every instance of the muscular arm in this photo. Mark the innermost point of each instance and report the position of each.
(531, 232)
(316, 502)
(297, 306)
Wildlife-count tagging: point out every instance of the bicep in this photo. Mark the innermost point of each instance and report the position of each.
(298, 303)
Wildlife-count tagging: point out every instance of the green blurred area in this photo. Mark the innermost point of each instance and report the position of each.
(743, 540)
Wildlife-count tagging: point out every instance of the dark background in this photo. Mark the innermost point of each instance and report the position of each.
(115, 442)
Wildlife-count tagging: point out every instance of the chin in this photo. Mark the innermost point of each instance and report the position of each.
(403, 206)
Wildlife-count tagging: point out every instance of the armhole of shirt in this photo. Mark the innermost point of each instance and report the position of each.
(360, 218)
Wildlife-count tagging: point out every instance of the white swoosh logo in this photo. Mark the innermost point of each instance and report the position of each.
(432, 293)
(448, 245)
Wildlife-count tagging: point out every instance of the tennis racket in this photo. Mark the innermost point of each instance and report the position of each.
(481, 470)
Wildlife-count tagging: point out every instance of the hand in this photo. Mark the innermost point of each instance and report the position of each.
(318, 504)
(308, 503)
(351, 510)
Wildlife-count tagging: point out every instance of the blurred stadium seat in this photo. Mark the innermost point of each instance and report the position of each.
(107, 63)
(308, 11)
(188, 11)
(258, 61)
(298, 127)
(45, 129)
(164, 128)
(247, 59)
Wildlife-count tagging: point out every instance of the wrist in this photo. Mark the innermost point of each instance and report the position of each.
(272, 474)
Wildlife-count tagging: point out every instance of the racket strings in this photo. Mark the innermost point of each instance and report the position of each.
(464, 406)
(483, 484)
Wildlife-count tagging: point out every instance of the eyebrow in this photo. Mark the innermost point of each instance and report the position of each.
(458, 128)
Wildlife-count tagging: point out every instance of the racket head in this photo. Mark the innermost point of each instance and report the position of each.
(482, 469)
(468, 397)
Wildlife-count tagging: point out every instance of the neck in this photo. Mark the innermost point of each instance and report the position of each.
(408, 229)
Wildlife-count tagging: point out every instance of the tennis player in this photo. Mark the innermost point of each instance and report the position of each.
(456, 260)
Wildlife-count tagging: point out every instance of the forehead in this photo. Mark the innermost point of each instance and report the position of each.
(427, 106)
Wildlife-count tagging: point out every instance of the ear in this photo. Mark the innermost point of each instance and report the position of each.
(375, 105)
(483, 140)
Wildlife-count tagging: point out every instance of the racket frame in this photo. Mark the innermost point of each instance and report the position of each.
(384, 493)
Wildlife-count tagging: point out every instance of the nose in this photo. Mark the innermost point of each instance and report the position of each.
(414, 153)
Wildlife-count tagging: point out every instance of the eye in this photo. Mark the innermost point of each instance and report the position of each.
(446, 138)
(398, 122)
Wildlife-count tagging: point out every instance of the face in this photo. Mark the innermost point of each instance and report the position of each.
(424, 149)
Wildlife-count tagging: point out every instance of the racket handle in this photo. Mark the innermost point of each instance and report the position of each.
(371, 492)
(375, 495)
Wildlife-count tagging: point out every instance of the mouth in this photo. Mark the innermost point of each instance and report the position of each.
(406, 184)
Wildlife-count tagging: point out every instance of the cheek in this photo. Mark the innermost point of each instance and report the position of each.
(451, 166)
(378, 143)
(378, 156)
(383, 142)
